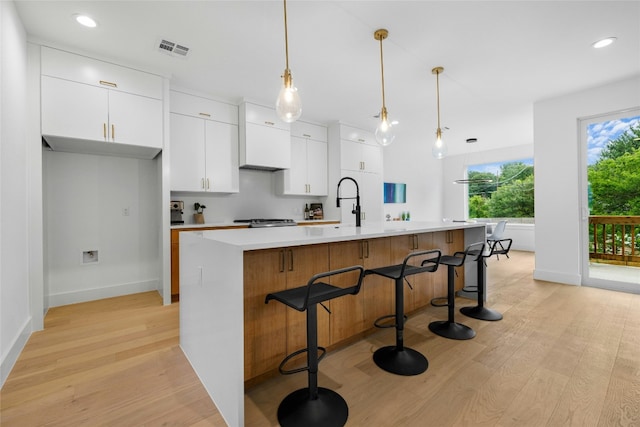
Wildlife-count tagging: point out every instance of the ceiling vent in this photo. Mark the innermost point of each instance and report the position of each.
(172, 48)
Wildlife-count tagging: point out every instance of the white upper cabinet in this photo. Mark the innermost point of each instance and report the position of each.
(204, 151)
(265, 140)
(359, 151)
(85, 101)
(308, 172)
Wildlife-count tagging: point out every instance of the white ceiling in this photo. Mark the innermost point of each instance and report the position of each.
(499, 57)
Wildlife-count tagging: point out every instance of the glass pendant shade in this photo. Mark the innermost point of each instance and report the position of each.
(288, 105)
(384, 132)
(439, 149)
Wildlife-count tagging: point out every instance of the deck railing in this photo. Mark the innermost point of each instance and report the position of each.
(614, 239)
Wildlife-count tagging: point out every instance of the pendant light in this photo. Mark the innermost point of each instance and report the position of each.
(439, 149)
(384, 131)
(288, 105)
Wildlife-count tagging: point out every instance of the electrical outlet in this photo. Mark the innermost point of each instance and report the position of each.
(125, 212)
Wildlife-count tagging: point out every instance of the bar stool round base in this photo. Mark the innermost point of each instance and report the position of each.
(328, 410)
(453, 330)
(402, 362)
(482, 313)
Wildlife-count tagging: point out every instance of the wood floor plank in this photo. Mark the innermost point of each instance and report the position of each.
(562, 355)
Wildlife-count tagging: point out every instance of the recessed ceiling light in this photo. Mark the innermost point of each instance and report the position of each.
(85, 20)
(604, 42)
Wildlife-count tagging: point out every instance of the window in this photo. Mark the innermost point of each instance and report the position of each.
(502, 190)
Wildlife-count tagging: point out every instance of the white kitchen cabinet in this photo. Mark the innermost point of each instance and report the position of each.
(359, 151)
(204, 155)
(84, 101)
(264, 140)
(307, 175)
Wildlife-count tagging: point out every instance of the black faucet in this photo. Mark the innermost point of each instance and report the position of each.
(356, 208)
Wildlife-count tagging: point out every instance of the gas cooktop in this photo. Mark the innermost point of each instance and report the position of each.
(267, 222)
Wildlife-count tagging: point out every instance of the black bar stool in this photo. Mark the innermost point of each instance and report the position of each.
(497, 247)
(313, 405)
(450, 328)
(399, 359)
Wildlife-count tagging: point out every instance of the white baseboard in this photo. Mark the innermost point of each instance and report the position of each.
(9, 360)
(85, 295)
(554, 276)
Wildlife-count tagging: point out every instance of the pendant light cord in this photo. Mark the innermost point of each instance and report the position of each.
(382, 73)
(286, 37)
(438, 96)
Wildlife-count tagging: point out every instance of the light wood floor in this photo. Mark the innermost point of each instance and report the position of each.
(562, 355)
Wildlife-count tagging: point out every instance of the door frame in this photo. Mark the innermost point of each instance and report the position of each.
(583, 180)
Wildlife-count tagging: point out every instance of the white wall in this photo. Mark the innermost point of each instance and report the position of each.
(410, 162)
(15, 315)
(86, 196)
(557, 162)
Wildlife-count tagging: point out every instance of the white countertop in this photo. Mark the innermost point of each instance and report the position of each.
(276, 237)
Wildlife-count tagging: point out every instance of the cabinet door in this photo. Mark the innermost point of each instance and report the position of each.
(316, 162)
(371, 158)
(221, 147)
(302, 263)
(378, 293)
(264, 324)
(187, 153)
(347, 312)
(74, 110)
(350, 155)
(135, 120)
(296, 176)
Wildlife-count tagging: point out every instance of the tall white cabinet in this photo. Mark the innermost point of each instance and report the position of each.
(353, 152)
(204, 144)
(307, 175)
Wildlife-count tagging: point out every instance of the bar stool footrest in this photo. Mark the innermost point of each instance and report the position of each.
(377, 323)
(401, 362)
(481, 313)
(452, 330)
(435, 302)
(294, 354)
(298, 409)
(470, 289)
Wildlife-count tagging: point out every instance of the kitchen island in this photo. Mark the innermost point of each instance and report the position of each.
(232, 338)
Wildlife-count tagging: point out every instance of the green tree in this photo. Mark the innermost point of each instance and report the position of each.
(628, 142)
(615, 184)
(482, 189)
(478, 207)
(514, 170)
(514, 200)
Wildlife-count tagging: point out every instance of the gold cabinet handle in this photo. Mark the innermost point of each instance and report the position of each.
(362, 250)
(361, 140)
(306, 135)
(282, 261)
(106, 83)
(290, 259)
(269, 123)
(208, 184)
(205, 114)
(367, 246)
(113, 132)
(104, 130)
(202, 183)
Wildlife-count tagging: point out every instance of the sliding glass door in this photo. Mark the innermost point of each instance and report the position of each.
(610, 200)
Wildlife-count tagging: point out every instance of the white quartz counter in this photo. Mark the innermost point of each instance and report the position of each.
(275, 237)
